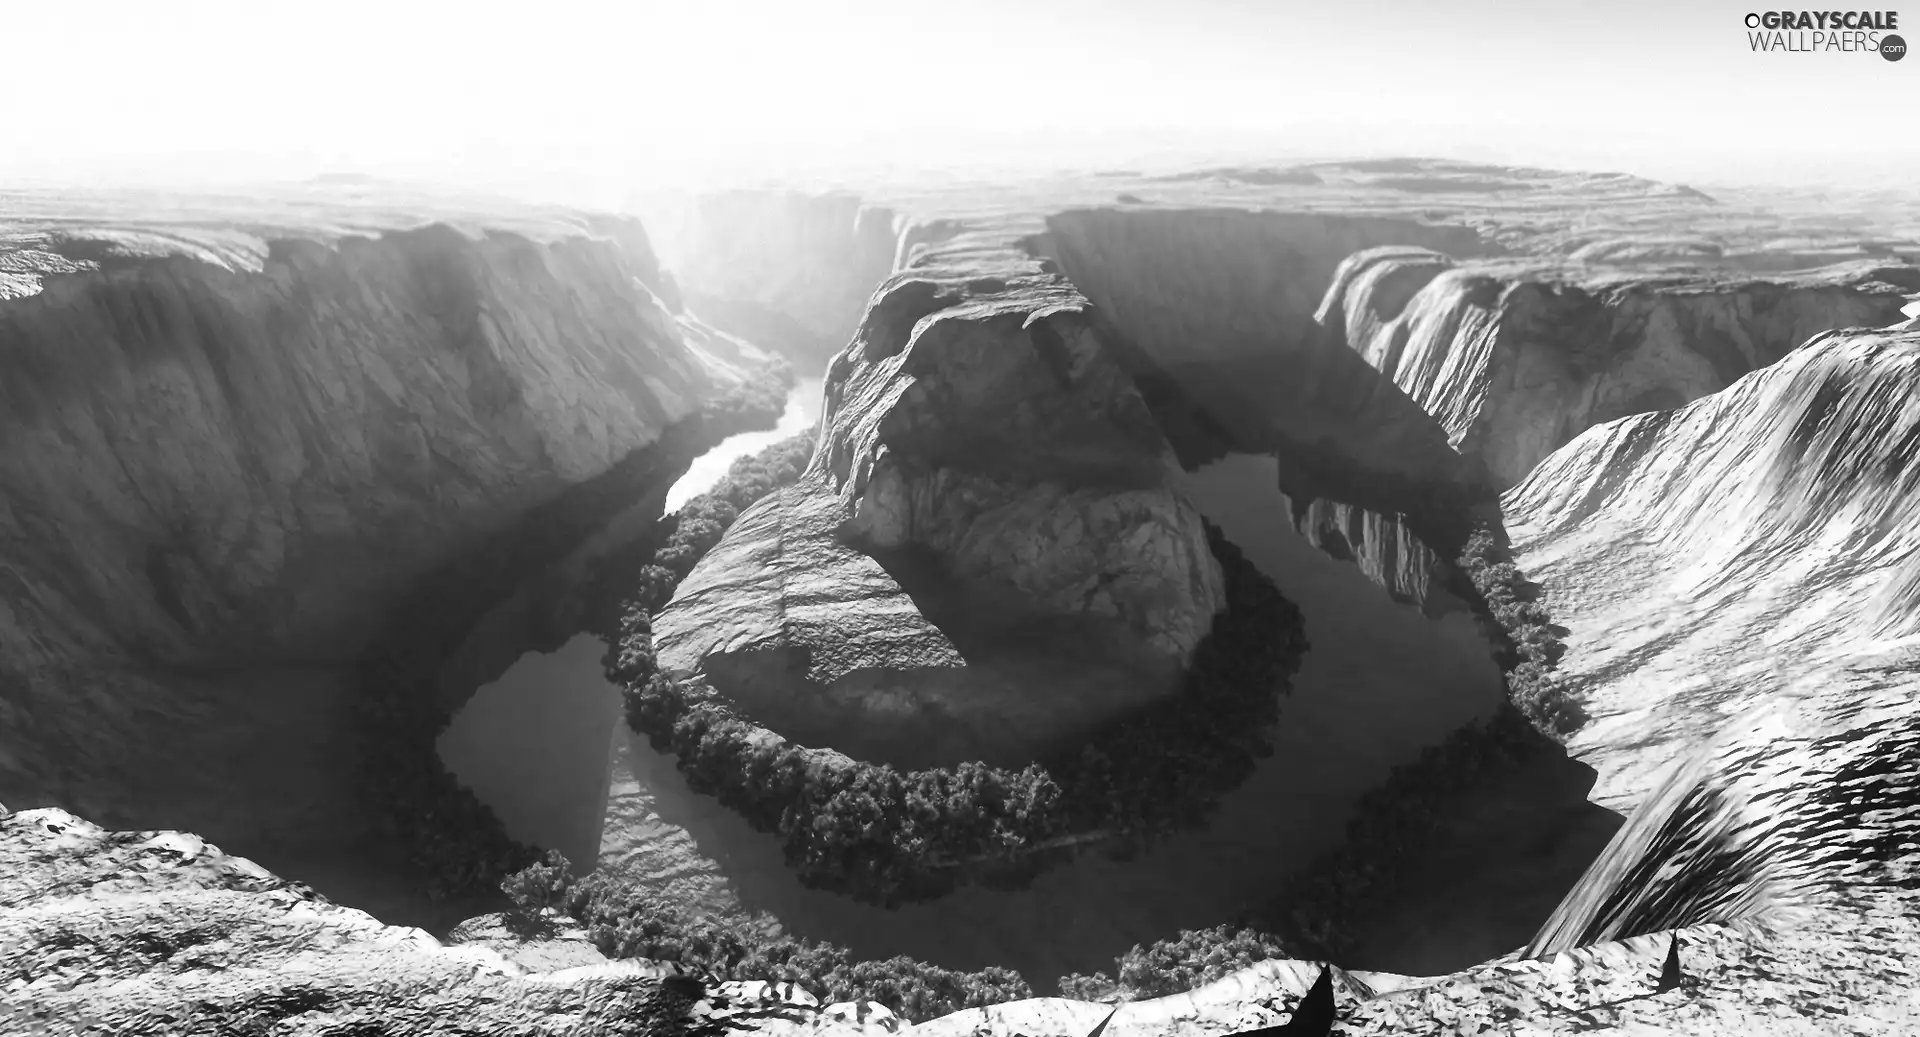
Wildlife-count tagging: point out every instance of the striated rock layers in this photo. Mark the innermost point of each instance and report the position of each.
(221, 467)
(987, 553)
(1516, 358)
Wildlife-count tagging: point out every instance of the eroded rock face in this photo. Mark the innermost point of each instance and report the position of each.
(1739, 547)
(987, 551)
(1515, 359)
(231, 445)
(1737, 575)
(216, 464)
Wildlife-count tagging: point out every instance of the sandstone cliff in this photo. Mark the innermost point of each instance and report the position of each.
(234, 442)
(1738, 575)
(1739, 546)
(987, 552)
(1516, 358)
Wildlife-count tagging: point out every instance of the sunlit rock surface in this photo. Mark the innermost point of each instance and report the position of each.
(987, 551)
(1747, 544)
(1517, 358)
(1738, 577)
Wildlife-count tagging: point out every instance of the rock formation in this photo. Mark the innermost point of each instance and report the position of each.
(230, 450)
(987, 552)
(1516, 358)
(161, 932)
(1774, 524)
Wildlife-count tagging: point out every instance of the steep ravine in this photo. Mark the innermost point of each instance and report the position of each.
(224, 470)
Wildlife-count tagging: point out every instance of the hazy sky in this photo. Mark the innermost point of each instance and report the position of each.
(139, 89)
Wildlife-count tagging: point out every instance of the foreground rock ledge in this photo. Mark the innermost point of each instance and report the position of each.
(160, 932)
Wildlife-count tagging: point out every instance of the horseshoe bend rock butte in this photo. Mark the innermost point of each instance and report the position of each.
(987, 552)
(1516, 357)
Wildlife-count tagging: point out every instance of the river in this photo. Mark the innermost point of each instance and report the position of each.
(1379, 683)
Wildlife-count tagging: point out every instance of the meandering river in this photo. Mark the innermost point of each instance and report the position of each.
(1379, 683)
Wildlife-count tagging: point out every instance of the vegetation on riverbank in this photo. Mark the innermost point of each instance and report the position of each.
(889, 837)
(451, 839)
(1533, 647)
(626, 923)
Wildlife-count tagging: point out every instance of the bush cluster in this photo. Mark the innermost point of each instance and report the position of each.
(1534, 646)
(626, 923)
(453, 841)
(1193, 959)
(889, 837)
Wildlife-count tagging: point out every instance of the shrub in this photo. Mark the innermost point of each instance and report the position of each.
(624, 922)
(888, 837)
(1534, 648)
(1193, 959)
(540, 885)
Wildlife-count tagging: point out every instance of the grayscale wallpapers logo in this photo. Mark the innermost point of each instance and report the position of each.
(1826, 32)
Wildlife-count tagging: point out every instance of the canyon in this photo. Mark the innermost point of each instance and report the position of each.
(244, 458)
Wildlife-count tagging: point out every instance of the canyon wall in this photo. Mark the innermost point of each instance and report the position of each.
(231, 451)
(987, 551)
(207, 465)
(1222, 302)
(1516, 358)
(790, 270)
(1746, 545)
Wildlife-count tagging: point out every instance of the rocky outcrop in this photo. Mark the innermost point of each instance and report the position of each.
(986, 554)
(161, 932)
(792, 271)
(1738, 577)
(1515, 359)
